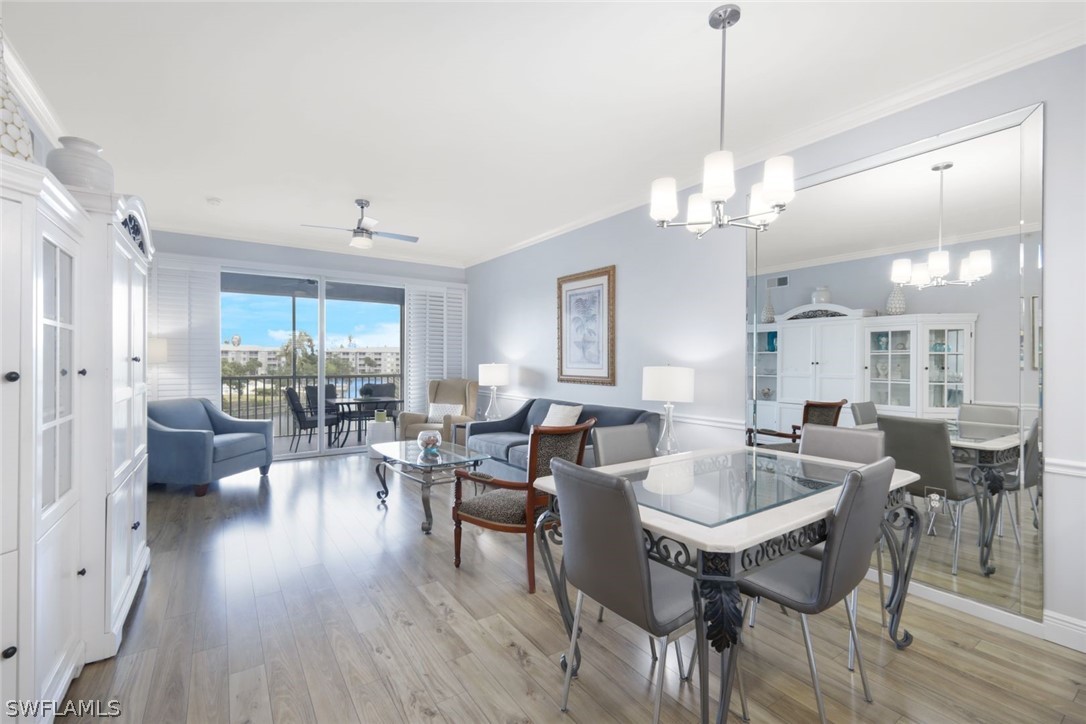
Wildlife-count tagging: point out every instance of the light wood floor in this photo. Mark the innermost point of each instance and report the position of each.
(301, 600)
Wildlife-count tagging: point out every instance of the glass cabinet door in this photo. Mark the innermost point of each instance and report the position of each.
(57, 374)
(890, 367)
(946, 366)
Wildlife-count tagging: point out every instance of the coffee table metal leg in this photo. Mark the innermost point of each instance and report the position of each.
(427, 524)
(381, 472)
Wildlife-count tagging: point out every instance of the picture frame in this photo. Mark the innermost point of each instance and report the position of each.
(586, 327)
(1038, 331)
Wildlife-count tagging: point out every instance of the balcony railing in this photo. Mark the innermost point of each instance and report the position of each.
(259, 397)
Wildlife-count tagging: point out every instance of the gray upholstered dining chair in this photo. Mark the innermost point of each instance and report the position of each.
(810, 586)
(923, 446)
(864, 413)
(1027, 476)
(603, 552)
(622, 444)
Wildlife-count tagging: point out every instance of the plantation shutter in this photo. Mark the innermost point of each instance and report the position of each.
(184, 310)
(435, 319)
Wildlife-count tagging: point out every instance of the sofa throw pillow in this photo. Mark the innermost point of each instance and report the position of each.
(562, 415)
(438, 410)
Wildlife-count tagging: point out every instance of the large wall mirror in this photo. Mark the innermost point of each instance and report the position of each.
(850, 296)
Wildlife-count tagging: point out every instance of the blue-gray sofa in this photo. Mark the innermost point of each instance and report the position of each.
(191, 442)
(506, 440)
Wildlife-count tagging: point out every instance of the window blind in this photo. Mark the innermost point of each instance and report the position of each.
(435, 330)
(184, 310)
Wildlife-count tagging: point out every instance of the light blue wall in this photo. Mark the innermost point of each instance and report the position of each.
(229, 252)
(684, 300)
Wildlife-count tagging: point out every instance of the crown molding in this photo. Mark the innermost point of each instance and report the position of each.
(1030, 51)
(30, 95)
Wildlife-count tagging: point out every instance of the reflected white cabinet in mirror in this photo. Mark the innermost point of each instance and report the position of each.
(953, 343)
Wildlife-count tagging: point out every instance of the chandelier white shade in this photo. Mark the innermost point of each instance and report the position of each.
(935, 271)
(705, 210)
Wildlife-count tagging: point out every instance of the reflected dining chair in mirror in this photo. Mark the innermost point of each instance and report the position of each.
(603, 553)
(808, 585)
(864, 413)
(1026, 477)
(515, 506)
(923, 446)
(814, 413)
(988, 414)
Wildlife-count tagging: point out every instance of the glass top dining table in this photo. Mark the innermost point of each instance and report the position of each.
(718, 488)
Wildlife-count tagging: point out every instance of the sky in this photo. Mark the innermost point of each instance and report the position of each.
(265, 321)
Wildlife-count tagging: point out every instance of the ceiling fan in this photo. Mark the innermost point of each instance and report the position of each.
(362, 234)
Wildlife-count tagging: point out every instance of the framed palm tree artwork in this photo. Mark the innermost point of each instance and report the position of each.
(586, 327)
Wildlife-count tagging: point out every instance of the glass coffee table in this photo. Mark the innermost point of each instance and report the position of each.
(406, 458)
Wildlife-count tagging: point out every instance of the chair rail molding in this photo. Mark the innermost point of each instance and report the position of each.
(1070, 468)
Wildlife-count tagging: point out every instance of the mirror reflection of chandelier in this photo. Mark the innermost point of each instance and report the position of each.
(934, 272)
(705, 210)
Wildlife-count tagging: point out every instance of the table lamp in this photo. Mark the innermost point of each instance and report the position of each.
(493, 376)
(667, 384)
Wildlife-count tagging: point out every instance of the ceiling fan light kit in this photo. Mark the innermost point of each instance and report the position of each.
(705, 210)
(363, 233)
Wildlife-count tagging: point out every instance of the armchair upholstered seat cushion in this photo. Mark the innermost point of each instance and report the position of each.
(192, 442)
(500, 506)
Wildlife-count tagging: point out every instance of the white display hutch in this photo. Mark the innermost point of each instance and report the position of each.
(67, 260)
(918, 365)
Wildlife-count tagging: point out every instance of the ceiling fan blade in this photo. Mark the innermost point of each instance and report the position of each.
(334, 228)
(368, 222)
(398, 237)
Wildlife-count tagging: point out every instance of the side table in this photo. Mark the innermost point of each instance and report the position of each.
(377, 432)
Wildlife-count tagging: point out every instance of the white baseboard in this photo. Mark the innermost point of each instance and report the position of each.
(955, 602)
(1065, 630)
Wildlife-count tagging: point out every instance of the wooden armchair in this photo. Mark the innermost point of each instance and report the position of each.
(814, 413)
(515, 506)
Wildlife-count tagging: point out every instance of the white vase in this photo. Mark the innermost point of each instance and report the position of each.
(768, 314)
(79, 164)
(16, 140)
(895, 303)
(820, 295)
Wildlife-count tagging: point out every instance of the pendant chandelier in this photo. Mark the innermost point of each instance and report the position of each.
(934, 272)
(705, 210)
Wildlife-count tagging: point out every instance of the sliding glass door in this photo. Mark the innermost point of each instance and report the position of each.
(310, 354)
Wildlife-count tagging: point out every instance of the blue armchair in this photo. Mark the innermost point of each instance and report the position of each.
(191, 442)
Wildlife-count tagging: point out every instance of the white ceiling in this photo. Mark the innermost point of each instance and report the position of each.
(479, 127)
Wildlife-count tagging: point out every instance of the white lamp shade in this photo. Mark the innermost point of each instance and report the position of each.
(670, 477)
(779, 180)
(699, 213)
(358, 241)
(980, 262)
(965, 273)
(664, 202)
(668, 384)
(902, 271)
(920, 274)
(760, 211)
(939, 263)
(494, 375)
(718, 179)
(158, 350)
